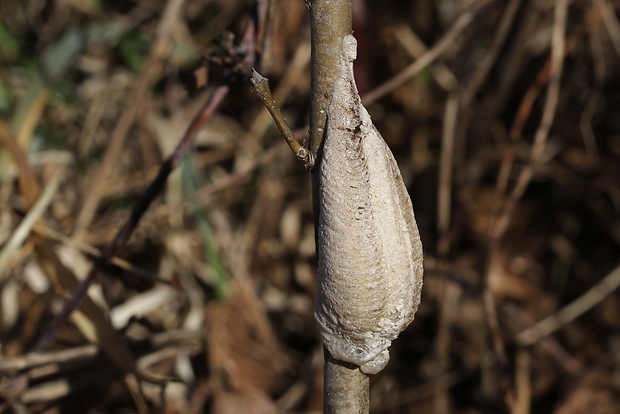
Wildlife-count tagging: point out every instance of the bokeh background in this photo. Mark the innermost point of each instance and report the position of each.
(509, 143)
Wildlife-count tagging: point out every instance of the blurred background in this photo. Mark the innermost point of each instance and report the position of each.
(508, 141)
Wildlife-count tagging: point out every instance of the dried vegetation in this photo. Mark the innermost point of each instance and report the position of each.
(505, 126)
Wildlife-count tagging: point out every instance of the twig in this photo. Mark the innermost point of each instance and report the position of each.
(523, 114)
(346, 390)
(514, 59)
(218, 94)
(90, 319)
(472, 86)
(289, 81)
(260, 86)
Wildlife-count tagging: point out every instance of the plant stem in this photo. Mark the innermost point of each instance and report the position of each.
(260, 86)
(330, 22)
(346, 387)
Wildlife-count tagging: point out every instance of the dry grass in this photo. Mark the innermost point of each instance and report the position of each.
(506, 133)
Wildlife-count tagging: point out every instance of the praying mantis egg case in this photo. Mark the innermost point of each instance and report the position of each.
(369, 250)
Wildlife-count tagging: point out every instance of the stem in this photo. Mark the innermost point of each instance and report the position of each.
(260, 86)
(346, 387)
(330, 22)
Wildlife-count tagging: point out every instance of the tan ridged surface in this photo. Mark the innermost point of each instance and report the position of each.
(370, 254)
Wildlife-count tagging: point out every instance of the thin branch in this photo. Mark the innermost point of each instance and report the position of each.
(260, 86)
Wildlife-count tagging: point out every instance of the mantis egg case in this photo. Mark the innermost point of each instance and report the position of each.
(369, 249)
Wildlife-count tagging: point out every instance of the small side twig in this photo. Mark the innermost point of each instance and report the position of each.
(260, 86)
